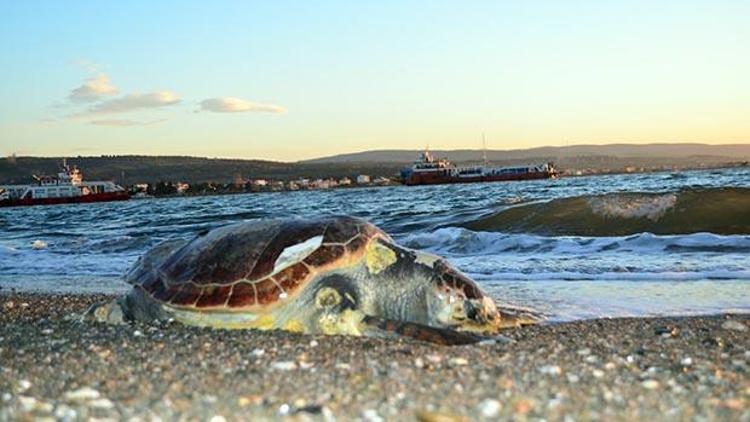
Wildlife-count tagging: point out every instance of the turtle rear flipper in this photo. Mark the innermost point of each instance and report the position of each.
(389, 328)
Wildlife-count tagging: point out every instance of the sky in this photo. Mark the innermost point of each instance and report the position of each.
(289, 80)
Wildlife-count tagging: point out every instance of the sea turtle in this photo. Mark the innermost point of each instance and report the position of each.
(330, 275)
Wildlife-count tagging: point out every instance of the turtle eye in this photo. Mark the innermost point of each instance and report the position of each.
(336, 291)
(471, 311)
(327, 297)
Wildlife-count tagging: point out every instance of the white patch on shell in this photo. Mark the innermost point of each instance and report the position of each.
(427, 259)
(296, 253)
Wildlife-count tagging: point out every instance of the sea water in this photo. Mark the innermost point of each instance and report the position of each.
(584, 247)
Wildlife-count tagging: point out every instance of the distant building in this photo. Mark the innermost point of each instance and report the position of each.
(303, 183)
(320, 184)
(382, 181)
(323, 184)
(363, 179)
(140, 187)
(181, 187)
(345, 181)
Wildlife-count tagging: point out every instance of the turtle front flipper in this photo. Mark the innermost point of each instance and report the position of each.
(105, 312)
(389, 328)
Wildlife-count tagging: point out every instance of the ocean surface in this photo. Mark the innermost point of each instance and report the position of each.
(584, 247)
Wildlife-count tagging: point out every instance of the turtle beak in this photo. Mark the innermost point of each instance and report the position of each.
(482, 316)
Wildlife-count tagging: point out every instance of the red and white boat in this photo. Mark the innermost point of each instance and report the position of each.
(429, 171)
(65, 188)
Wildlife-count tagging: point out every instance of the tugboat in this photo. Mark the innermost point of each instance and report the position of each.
(429, 171)
(66, 188)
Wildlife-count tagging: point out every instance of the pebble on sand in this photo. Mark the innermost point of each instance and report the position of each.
(82, 394)
(734, 325)
(429, 416)
(24, 385)
(284, 365)
(650, 384)
(371, 415)
(101, 403)
(489, 408)
(550, 370)
(458, 361)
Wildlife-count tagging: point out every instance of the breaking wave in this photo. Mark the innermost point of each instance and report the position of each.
(645, 256)
(458, 241)
(718, 210)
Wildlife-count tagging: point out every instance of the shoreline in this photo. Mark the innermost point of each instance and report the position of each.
(395, 183)
(681, 367)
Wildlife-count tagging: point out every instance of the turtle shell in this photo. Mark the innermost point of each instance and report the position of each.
(252, 263)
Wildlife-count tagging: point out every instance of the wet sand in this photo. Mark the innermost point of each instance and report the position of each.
(618, 369)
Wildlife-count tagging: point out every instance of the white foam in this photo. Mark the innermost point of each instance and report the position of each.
(652, 207)
(7, 250)
(642, 257)
(38, 245)
(461, 242)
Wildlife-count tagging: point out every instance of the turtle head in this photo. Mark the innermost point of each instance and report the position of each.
(455, 301)
(434, 293)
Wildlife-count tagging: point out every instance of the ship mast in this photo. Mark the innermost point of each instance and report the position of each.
(484, 150)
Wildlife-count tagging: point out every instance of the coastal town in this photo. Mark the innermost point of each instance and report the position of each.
(255, 185)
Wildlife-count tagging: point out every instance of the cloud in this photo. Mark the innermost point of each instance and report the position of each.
(237, 105)
(93, 89)
(135, 101)
(124, 122)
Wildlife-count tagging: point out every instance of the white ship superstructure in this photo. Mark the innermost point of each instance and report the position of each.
(68, 186)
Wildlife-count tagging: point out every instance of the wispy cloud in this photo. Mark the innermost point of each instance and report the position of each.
(135, 101)
(87, 64)
(93, 89)
(124, 122)
(237, 105)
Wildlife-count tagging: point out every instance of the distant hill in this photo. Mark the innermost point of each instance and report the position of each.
(672, 151)
(133, 169)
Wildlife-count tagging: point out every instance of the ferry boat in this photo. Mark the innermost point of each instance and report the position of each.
(65, 188)
(429, 171)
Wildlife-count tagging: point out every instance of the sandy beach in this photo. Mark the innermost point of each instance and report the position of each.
(676, 368)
